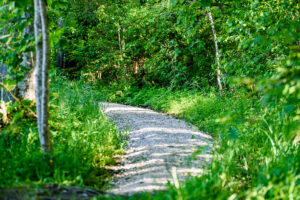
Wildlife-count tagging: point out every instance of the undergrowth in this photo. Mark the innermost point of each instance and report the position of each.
(256, 154)
(84, 141)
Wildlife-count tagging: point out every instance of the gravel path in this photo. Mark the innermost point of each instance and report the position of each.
(160, 149)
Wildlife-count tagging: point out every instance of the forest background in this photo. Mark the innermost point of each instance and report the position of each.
(229, 67)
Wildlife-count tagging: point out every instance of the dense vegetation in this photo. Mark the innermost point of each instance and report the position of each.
(161, 54)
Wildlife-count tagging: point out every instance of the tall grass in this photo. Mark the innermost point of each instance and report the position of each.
(84, 141)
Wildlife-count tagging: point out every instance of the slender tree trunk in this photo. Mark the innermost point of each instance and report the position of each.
(123, 52)
(42, 65)
(120, 41)
(122, 48)
(60, 54)
(217, 52)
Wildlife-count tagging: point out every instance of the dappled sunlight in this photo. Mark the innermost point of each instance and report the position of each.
(179, 105)
(157, 143)
(121, 108)
(194, 106)
(171, 131)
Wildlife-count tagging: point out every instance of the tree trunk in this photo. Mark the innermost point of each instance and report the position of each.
(120, 42)
(26, 88)
(42, 65)
(217, 52)
(122, 48)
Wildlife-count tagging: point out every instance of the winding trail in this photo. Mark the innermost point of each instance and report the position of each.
(159, 146)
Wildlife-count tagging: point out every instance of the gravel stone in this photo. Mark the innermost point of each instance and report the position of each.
(158, 145)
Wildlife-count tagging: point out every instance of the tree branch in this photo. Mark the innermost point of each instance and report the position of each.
(18, 100)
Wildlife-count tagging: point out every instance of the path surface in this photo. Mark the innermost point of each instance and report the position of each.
(158, 144)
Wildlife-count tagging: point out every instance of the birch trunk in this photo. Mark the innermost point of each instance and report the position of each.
(120, 42)
(122, 48)
(217, 52)
(60, 54)
(42, 65)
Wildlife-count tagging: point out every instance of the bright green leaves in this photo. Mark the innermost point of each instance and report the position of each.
(257, 34)
(171, 3)
(17, 3)
(13, 42)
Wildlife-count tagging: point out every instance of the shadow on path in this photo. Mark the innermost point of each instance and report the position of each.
(157, 144)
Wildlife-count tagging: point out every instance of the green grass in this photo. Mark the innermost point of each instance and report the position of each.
(256, 155)
(84, 141)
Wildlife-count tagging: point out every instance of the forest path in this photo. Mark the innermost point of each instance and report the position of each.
(158, 145)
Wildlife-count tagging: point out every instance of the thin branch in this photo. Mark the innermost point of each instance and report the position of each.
(4, 36)
(11, 94)
(18, 100)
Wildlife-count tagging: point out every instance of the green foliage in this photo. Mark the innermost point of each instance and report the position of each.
(255, 35)
(129, 42)
(84, 141)
(12, 41)
(170, 43)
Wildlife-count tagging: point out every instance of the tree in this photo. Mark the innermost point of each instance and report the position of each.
(216, 50)
(42, 76)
